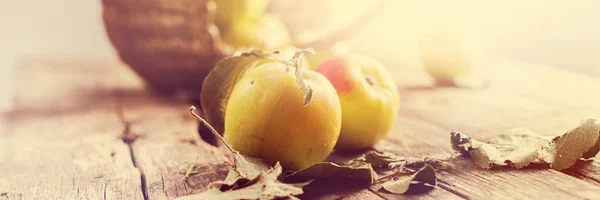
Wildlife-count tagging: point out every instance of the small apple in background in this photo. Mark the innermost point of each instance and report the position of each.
(267, 32)
(230, 11)
(451, 53)
(369, 98)
(265, 116)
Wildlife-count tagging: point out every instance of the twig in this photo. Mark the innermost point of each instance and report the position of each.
(212, 129)
(187, 174)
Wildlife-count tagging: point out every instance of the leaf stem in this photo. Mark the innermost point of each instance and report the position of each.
(298, 64)
(384, 178)
(212, 129)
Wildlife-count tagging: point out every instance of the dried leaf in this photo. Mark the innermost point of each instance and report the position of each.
(521, 147)
(362, 172)
(377, 159)
(461, 143)
(298, 63)
(264, 186)
(424, 177)
(244, 170)
(391, 161)
(516, 147)
(580, 142)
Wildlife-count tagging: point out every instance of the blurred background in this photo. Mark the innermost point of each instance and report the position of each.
(563, 34)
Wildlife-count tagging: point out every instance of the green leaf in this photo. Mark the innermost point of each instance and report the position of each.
(520, 147)
(264, 186)
(362, 172)
(424, 177)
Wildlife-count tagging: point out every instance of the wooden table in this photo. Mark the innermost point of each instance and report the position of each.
(86, 129)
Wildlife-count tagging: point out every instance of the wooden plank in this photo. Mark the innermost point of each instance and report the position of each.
(586, 170)
(63, 155)
(487, 112)
(57, 86)
(160, 132)
(469, 181)
(168, 137)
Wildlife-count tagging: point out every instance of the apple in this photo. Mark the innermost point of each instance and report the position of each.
(265, 116)
(369, 98)
(450, 52)
(230, 11)
(266, 33)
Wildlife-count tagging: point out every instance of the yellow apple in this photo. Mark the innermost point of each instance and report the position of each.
(369, 98)
(230, 11)
(267, 33)
(265, 116)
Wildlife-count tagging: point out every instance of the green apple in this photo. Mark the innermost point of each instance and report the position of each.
(265, 116)
(369, 98)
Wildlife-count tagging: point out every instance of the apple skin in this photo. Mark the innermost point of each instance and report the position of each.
(369, 98)
(265, 116)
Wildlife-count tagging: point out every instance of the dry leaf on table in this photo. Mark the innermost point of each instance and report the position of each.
(520, 147)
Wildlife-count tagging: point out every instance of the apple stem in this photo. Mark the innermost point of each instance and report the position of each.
(212, 129)
(370, 80)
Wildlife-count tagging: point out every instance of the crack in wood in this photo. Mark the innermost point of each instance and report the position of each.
(125, 136)
(162, 180)
(105, 185)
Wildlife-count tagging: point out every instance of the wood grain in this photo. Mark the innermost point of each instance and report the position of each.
(63, 155)
(53, 86)
(168, 137)
(537, 103)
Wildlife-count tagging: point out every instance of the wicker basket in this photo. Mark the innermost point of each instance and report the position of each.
(171, 44)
